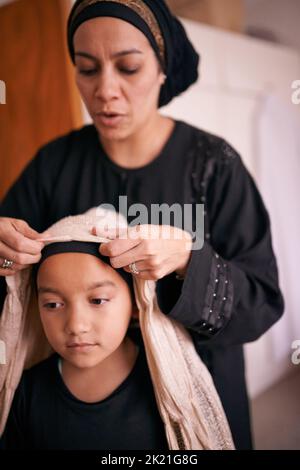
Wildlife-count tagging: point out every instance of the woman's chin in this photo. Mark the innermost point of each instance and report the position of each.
(113, 134)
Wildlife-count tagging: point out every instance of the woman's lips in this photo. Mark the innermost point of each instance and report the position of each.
(110, 119)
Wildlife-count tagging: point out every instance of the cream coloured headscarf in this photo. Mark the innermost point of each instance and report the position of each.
(186, 397)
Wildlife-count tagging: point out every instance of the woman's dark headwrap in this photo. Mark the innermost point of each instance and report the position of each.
(166, 34)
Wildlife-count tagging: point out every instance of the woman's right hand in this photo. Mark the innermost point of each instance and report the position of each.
(19, 244)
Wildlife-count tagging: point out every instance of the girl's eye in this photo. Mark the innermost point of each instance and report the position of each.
(99, 301)
(52, 305)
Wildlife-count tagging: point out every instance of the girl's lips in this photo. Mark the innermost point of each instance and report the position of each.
(81, 347)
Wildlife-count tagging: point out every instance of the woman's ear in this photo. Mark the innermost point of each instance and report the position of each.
(162, 78)
(135, 311)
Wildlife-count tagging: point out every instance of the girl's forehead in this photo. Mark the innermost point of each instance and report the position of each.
(78, 268)
(65, 259)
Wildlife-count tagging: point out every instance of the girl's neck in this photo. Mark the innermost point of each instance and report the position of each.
(142, 147)
(97, 383)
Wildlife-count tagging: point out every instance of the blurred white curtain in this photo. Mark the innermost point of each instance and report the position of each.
(277, 171)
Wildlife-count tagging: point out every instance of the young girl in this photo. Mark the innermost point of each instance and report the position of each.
(95, 391)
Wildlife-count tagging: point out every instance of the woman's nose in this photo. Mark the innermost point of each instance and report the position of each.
(107, 86)
(77, 321)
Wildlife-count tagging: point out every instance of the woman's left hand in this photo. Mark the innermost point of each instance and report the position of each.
(156, 250)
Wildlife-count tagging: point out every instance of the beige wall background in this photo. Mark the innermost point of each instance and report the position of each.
(41, 99)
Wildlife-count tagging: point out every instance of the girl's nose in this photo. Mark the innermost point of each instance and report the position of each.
(77, 321)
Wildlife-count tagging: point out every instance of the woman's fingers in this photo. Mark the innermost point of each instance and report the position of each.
(23, 227)
(19, 246)
(18, 257)
(155, 250)
(19, 237)
(11, 270)
(119, 248)
(147, 274)
(124, 252)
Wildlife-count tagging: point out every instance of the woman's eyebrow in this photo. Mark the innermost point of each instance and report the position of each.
(114, 55)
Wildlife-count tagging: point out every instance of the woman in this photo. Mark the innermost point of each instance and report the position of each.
(131, 57)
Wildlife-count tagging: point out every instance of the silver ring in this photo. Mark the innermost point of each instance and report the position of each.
(7, 264)
(133, 268)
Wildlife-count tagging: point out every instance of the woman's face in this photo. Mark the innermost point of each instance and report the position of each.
(118, 76)
(85, 307)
